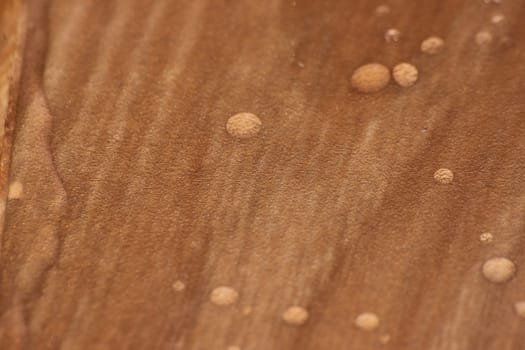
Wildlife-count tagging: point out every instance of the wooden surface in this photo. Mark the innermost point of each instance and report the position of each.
(131, 181)
(12, 34)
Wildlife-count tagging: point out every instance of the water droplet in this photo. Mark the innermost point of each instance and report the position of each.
(367, 321)
(519, 307)
(392, 35)
(384, 339)
(233, 347)
(224, 296)
(405, 74)
(300, 64)
(484, 37)
(432, 45)
(499, 270)
(178, 286)
(370, 77)
(15, 191)
(382, 10)
(497, 18)
(295, 315)
(243, 125)
(443, 176)
(247, 310)
(506, 42)
(486, 238)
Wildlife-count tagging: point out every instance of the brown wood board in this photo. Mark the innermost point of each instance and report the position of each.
(131, 181)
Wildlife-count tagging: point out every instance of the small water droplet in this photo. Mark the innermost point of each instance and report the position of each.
(16, 190)
(497, 18)
(384, 339)
(486, 238)
(443, 176)
(178, 286)
(367, 321)
(224, 295)
(295, 315)
(300, 64)
(371, 77)
(519, 307)
(243, 125)
(233, 347)
(499, 270)
(392, 35)
(506, 42)
(382, 10)
(247, 310)
(405, 74)
(432, 45)
(484, 37)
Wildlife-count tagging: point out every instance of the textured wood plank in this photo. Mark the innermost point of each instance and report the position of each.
(12, 35)
(132, 182)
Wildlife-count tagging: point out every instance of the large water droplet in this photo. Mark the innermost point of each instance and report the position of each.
(367, 321)
(224, 295)
(499, 270)
(405, 74)
(295, 315)
(371, 77)
(243, 125)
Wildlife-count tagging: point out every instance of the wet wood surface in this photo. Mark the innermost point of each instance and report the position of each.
(133, 202)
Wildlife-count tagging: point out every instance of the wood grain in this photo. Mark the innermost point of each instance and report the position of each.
(132, 182)
(12, 38)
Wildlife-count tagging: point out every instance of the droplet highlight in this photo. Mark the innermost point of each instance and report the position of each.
(499, 270)
(371, 77)
(243, 125)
